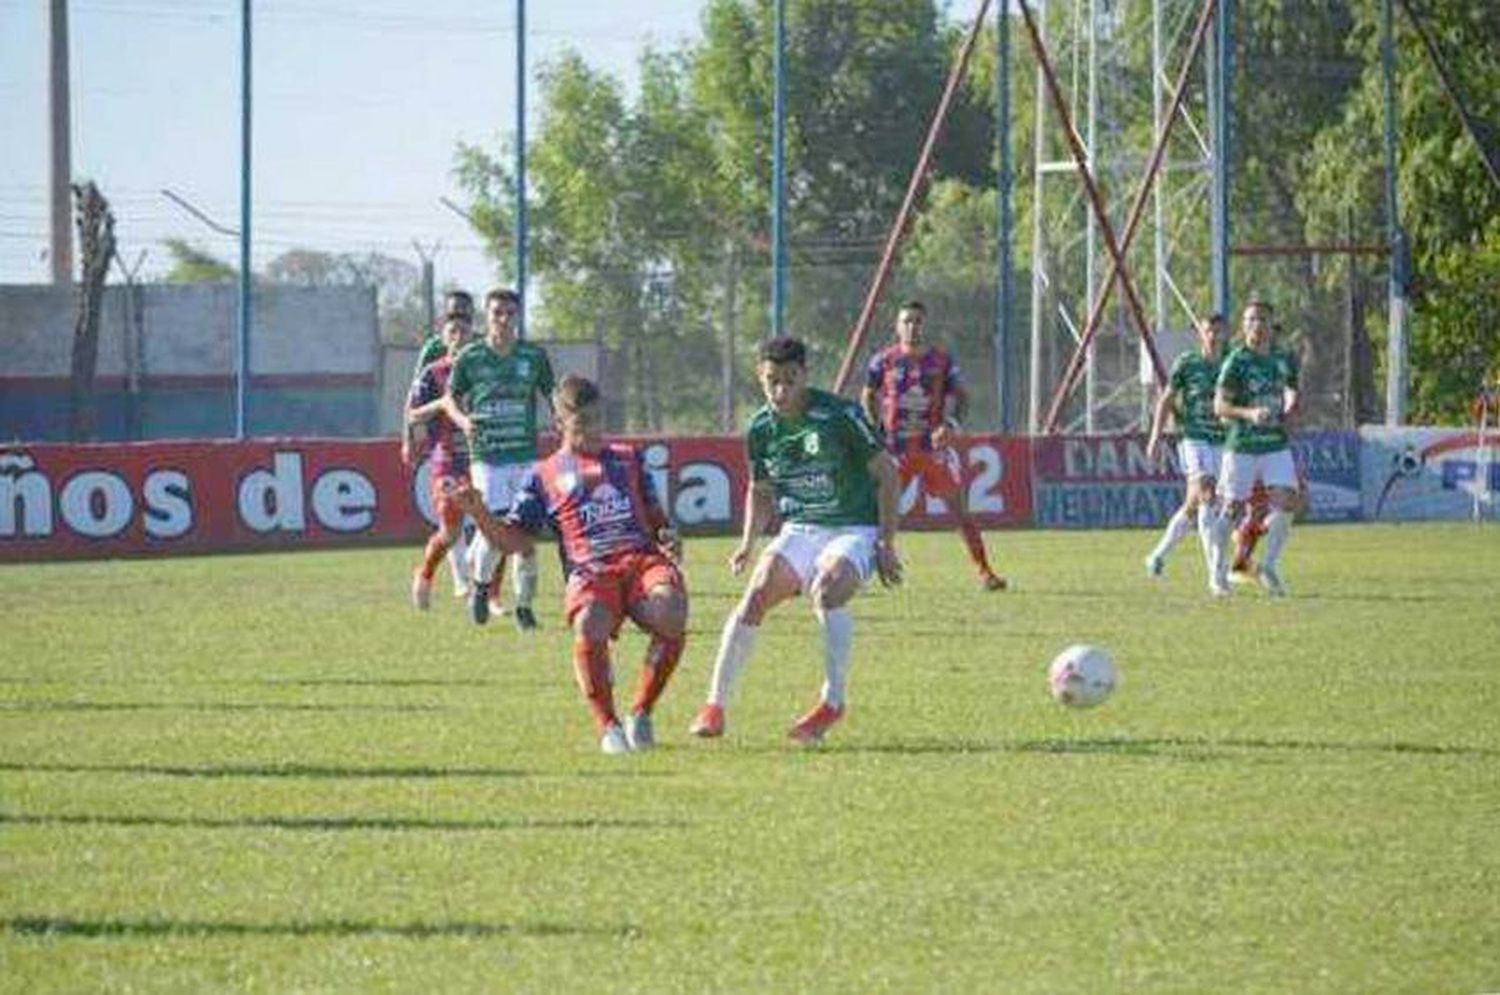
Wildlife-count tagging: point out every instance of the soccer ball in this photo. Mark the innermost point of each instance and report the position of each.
(1081, 676)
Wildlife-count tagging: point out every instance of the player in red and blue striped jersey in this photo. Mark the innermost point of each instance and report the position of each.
(448, 459)
(619, 554)
(909, 387)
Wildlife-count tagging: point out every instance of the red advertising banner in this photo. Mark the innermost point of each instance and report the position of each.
(83, 501)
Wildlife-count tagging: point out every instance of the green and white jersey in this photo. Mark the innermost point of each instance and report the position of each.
(1252, 380)
(818, 465)
(1193, 380)
(432, 350)
(500, 395)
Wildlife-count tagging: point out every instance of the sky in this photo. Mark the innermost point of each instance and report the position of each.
(358, 106)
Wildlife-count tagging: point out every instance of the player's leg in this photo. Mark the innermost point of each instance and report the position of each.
(486, 558)
(1177, 526)
(778, 577)
(943, 477)
(1280, 476)
(458, 563)
(524, 574)
(449, 517)
(1235, 482)
(594, 622)
(662, 612)
(1248, 531)
(843, 567)
(1203, 490)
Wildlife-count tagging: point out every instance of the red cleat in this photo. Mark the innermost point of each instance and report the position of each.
(709, 722)
(811, 727)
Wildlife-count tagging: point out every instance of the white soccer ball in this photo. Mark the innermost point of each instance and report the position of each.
(1081, 676)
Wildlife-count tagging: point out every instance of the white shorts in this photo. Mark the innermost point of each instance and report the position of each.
(1241, 470)
(1198, 459)
(806, 547)
(497, 483)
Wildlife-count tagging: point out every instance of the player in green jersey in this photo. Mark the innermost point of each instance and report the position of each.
(815, 462)
(1190, 395)
(457, 304)
(492, 398)
(1256, 394)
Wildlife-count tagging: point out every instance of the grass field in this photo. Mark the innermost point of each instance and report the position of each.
(268, 773)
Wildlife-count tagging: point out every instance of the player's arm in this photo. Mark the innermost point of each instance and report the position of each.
(1159, 421)
(503, 535)
(956, 403)
(658, 523)
(867, 403)
(456, 414)
(760, 505)
(887, 497)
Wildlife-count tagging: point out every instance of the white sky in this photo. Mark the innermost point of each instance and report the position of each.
(358, 105)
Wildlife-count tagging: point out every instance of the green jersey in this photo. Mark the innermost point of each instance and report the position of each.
(1252, 380)
(818, 465)
(1193, 380)
(432, 350)
(499, 394)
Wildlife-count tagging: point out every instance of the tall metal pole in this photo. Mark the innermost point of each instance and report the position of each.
(1091, 235)
(1038, 260)
(242, 363)
(1159, 235)
(1005, 286)
(1395, 369)
(521, 165)
(1219, 76)
(778, 167)
(61, 148)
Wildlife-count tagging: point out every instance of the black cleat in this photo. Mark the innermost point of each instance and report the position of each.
(479, 603)
(525, 618)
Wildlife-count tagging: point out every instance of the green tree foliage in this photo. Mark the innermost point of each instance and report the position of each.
(191, 264)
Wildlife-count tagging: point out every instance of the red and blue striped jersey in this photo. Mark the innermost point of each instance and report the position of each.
(600, 503)
(449, 452)
(911, 392)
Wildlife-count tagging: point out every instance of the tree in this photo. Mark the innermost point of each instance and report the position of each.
(191, 264)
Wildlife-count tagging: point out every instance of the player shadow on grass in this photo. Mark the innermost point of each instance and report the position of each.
(1174, 748)
(293, 770)
(207, 706)
(59, 927)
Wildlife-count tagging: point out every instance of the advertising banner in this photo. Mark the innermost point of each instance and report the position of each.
(1102, 481)
(1329, 463)
(93, 500)
(1417, 474)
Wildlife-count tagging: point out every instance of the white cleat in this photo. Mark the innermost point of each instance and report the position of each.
(1269, 580)
(613, 741)
(1154, 566)
(1219, 588)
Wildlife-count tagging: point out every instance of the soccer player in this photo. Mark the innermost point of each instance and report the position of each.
(492, 398)
(457, 304)
(619, 552)
(448, 461)
(913, 391)
(816, 462)
(1190, 395)
(1255, 395)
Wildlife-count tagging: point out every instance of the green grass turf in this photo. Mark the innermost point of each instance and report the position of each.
(268, 773)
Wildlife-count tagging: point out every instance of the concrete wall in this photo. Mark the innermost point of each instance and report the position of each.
(315, 362)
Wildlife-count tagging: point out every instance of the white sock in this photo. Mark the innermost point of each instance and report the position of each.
(1211, 551)
(484, 557)
(1222, 525)
(1278, 527)
(523, 577)
(458, 555)
(1177, 527)
(735, 644)
(838, 637)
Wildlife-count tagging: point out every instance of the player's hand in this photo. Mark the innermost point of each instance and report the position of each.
(942, 437)
(670, 543)
(461, 492)
(739, 559)
(1153, 448)
(406, 452)
(887, 563)
(1260, 416)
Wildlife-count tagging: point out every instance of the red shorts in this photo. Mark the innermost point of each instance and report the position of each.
(618, 582)
(938, 468)
(449, 515)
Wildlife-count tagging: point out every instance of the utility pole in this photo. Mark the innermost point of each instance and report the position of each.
(429, 300)
(61, 148)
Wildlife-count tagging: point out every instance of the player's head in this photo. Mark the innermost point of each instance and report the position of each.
(501, 306)
(455, 333)
(575, 403)
(1255, 324)
(1210, 332)
(782, 372)
(458, 304)
(911, 320)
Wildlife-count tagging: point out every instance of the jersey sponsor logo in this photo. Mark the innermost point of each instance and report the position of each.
(811, 443)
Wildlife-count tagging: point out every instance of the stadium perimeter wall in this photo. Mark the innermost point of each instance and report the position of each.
(165, 367)
(98, 500)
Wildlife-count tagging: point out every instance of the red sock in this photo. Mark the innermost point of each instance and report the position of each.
(591, 670)
(432, 556)
(661, 659)
(975, 542)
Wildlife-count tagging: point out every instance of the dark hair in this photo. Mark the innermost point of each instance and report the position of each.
(502, 294)
(1261, 303)
(783, 349)
(1215, 319)
(574, 393)
(912, 305)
